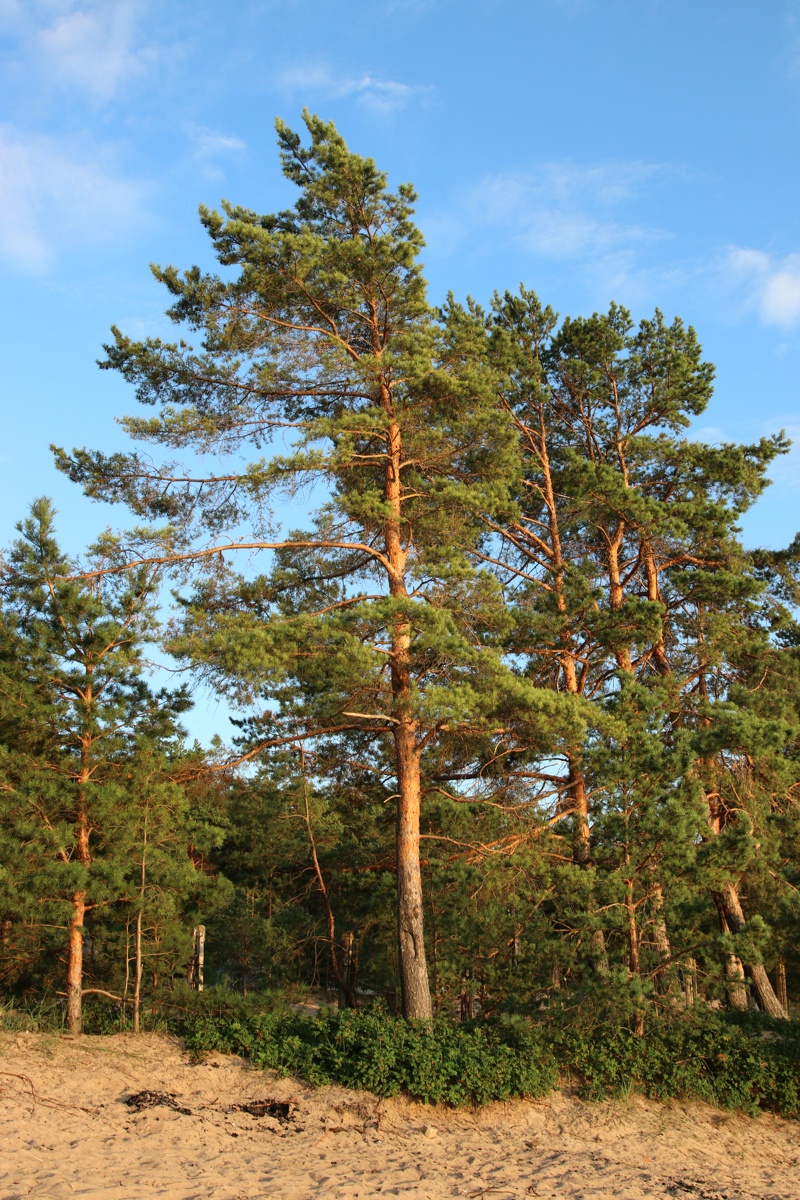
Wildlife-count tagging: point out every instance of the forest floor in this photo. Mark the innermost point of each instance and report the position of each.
(67, 1130)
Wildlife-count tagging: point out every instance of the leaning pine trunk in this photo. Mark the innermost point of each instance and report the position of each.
(734, 971)
(768, 1002)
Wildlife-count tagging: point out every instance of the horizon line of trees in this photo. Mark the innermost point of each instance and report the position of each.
(523, 710)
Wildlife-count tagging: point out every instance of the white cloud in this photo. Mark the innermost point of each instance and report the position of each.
(769, 285)
(52, 200)
(209, 143)
(381, 95)
(89, 45)
(565, 211)
(92, 49)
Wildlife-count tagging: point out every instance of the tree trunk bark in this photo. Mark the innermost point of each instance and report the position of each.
(138, 965)
(633, 954)
(734, 971)
(75, 964)
(780, 984)
(199, 955)
(582, 848)
(410, 925)
(664, 978)
(737, 989)
(768, 1002)
(414, 982)
(347, 986)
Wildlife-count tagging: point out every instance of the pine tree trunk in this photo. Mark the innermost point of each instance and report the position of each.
(768, 1002)
(690, 982)
(581, 847)
(78, 915)
(137, 986)
(199, 955)
(736, 987)
(661, 938)
(780, 984)
(348, 972)
(75, 964)
(734, 971)
(410, 926)
(416, 990)
(633, 955)
(138, 965)
(468, 994)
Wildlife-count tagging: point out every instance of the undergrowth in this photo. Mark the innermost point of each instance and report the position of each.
(380, 1053)
(739, 1062)
(742, 1061)
(732, 1060)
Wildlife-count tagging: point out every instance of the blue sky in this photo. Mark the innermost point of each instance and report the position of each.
(644, 151)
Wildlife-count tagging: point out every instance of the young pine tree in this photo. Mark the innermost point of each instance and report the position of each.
(75, 705)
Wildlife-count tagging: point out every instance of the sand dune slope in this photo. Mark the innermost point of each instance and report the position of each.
(77, 1137)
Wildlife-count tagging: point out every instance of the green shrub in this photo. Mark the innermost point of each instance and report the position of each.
(377, 1052)
(734, 1061)
(724, 1059)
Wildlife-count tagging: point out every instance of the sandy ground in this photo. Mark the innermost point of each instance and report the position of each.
(66, 1131)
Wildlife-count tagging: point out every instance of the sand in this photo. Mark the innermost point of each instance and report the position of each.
(66, 1131)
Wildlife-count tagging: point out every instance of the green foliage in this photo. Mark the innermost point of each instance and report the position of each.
(377, 1052)
(749, 1064)
(744, 1064)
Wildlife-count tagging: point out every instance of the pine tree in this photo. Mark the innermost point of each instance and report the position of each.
(322, 341)
(75, 706)
(625, 559)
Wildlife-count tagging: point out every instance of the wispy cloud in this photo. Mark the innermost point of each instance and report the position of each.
(53, 201)
(583, 215)
(767, 284)
(380, 95)
(92, 46)
(211, 145)
(565, 211)
(208, 143)
(94, 50)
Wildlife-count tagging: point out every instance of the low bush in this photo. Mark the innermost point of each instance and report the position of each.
(377, 1052)
(734, 1061)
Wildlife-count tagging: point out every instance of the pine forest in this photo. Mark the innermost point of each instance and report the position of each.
(516, 739)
